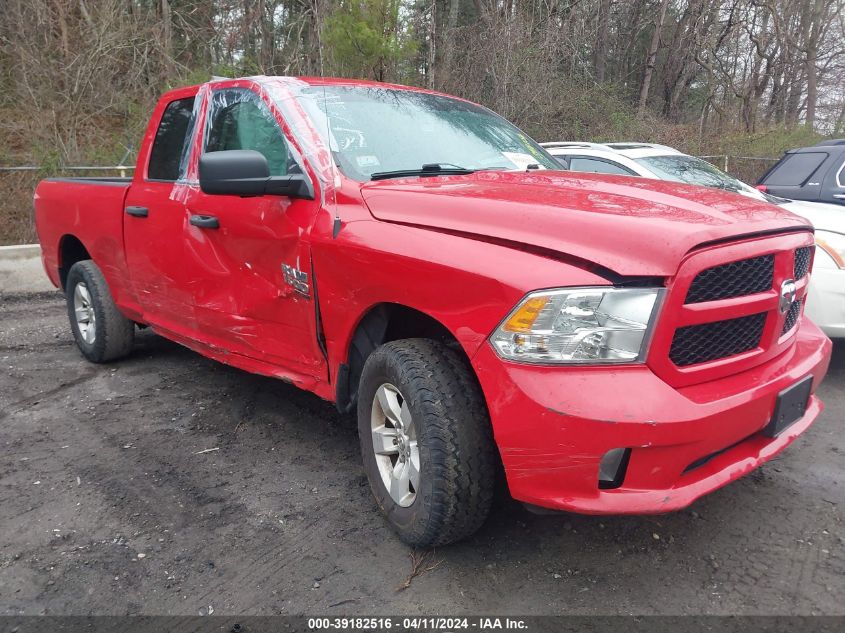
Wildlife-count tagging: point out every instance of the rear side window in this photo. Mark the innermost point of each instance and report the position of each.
(597, 166)
(170, 139)
(796, 169)
(240, 120)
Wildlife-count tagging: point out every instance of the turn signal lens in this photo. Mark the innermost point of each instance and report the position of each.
(523, 319)
(579, 326)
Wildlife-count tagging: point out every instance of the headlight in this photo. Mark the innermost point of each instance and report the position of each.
(579, 325)
(833, 244)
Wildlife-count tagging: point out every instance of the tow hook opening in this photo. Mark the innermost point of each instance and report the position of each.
(612, 468)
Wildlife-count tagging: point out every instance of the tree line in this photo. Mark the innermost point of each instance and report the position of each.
(78, 77)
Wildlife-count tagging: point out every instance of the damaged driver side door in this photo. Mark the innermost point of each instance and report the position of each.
(253, 290)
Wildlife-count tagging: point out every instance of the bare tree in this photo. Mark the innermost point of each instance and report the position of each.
(652, 57)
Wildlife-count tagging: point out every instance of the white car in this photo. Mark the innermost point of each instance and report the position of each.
(826, 303)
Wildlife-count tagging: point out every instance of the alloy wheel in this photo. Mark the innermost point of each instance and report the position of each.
(86, 319)
(395, 444)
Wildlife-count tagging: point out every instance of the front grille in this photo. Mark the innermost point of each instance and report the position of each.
(725, 305)
(791, 317)
(802, 262)
(695, 344)
(736, 279)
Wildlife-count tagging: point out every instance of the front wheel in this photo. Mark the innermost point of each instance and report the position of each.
(102, 333)
(426, 441)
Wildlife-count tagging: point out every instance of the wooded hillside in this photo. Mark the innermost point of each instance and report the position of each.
(742, 77)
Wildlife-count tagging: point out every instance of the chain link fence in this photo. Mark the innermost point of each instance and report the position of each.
(17, 185)
(748, 169)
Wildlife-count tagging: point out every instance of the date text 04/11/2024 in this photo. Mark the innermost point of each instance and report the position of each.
(438, 624)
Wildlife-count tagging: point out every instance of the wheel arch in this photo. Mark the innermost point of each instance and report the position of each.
(71, 250)
(382, 323)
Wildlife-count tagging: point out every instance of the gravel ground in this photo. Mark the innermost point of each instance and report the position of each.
(170, 484)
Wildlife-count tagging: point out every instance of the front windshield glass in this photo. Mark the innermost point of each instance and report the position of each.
(693, 171)
(374, 130)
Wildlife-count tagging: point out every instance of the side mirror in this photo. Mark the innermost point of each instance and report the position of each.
(245, 172)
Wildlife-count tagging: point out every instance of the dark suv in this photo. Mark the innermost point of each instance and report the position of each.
(816, 174)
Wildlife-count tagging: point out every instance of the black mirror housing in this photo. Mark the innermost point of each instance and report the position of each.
(240, 172)
(245, 172)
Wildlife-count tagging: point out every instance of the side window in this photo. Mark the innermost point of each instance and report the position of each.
(597, 166)
(796, 169)
(238, 119)
(563, 160)
(172, 133)
(840, 176)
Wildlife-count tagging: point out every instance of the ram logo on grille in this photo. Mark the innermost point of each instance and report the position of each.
(788, 290)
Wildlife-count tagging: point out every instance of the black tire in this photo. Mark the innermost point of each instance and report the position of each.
(114, 334)
(457, 456)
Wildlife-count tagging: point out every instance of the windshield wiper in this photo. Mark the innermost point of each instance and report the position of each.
(430, 169)
(725, 187)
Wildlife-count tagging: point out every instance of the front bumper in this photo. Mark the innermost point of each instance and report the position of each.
(826, 301)
(553, 425)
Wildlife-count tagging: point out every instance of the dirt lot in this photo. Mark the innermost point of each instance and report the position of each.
(109, 505)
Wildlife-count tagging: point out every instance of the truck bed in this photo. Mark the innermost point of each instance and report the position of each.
(90, 209)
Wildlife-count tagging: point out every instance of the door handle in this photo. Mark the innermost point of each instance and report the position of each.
(839, 196)
(138, 212)
(205, 221)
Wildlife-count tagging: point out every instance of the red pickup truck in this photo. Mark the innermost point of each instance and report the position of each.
(611, 344)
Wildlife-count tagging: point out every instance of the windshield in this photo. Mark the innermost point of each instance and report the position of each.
(694, 171)
(375, 130)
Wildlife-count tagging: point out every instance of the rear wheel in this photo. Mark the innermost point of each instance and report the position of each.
(102, 333)
(426, 441)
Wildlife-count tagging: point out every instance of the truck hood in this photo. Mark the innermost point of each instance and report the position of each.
(632, 226)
